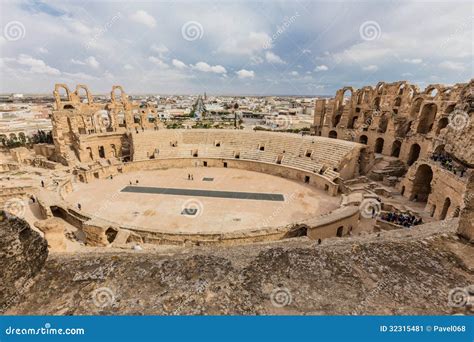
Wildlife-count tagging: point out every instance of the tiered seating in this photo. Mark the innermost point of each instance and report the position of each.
(313, 154)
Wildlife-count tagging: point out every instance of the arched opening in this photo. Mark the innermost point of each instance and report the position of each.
(101, 152)
(427, 117)
(422, 184)
(377, 103)
(383, 123)
(379, 145)
(340, 231)
(442, 123)
(413, 154)
(363, 139)
(81, 178)
(403, 190)
(336, 120)
(415, 109)
(450, 109)
(439, 149)
(446, 205)
(332, 134)
(396, 147)
(111, 234)
(398, 102)
(89, 150)
(433, 210)
(352, 122)
(68, 106)
(113, 152)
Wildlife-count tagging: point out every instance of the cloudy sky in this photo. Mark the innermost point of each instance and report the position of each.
(233, 47)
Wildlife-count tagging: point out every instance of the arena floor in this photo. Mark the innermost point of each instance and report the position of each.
(179, 211)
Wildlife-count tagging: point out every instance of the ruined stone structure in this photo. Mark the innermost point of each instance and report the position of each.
(400, 123)
(86, 130)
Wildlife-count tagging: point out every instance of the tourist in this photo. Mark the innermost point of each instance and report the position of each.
(79, 206)
(42, 184)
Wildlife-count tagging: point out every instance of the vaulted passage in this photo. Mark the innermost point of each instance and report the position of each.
(422, 184)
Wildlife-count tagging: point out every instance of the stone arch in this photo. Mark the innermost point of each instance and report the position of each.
(336, 119)
(378, 148)
(363, 139)
(422, 183)
(340, 231)
(439, 149)
(111, 234)
(427, 117)
(332, 134)
(113, 151)
(414, 154)
(446, 205)
(449, 109)
(380, 87)
(383, 123)
(397, 102)
(101, 150)
(113, 94)
(58, 97)
(88, 95)
(396, 147)
(91, 155)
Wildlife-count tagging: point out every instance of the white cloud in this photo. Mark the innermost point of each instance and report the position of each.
(92, 62)
(245, 44)
(128, 67)
(37, 66)
(294, 73)
(178, 64)
(371, 67)
(78, 62)
(413, 60)
(273, 58)
(144, 18)
(455, 66)
(243, 73)
(158, 62)
(255, 60)
(204, 67)
(161, 49)
(80, 75)
(42, 50)
(321, 68)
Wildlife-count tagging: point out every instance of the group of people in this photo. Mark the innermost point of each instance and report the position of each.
(448, 163)
(405, 220)
(190, 176)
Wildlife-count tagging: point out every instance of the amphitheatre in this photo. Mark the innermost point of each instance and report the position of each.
(216, 221)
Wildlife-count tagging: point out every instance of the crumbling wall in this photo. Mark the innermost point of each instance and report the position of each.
(23, 253)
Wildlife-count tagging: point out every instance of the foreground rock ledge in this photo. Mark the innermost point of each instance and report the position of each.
(399, 272)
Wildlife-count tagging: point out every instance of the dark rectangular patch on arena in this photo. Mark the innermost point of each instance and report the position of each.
(208, 179)
(205, 193)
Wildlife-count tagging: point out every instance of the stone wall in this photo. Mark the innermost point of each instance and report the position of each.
(23, 253)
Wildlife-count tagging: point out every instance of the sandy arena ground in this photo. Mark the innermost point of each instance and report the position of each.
(103, 199)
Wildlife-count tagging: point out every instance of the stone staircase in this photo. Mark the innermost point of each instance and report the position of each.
(385, 167)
